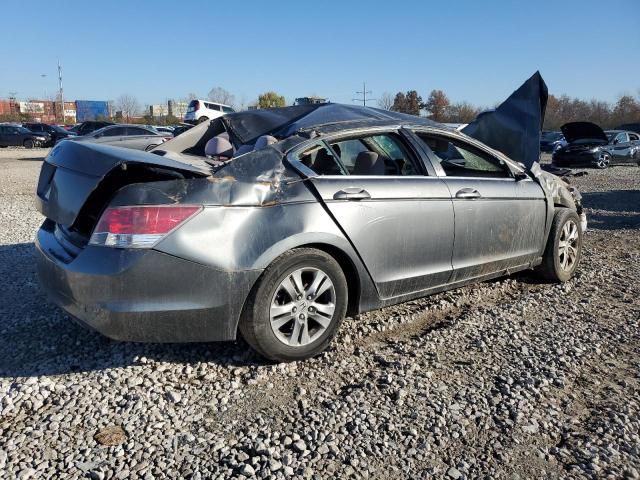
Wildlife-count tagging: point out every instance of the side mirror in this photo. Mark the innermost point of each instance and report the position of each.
(520, 176)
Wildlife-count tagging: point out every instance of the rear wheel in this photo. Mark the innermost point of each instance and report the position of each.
(203, 119)
(603, 160)
(28, 143)
(564, 247)
(297, 306)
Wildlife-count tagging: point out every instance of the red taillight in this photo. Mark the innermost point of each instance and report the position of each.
(139, 226)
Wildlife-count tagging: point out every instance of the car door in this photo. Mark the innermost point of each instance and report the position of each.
(621, 148)
(398, 218)
(4, 140)
(111, 136)
(15, 137)
(634, 144)
(139, 138)
(499, 219)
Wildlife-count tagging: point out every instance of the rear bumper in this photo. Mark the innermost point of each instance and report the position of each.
(142, 295)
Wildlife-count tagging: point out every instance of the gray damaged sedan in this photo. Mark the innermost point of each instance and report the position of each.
(275, 224)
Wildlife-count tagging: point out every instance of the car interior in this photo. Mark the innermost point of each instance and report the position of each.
(458, 159)
(379, 155)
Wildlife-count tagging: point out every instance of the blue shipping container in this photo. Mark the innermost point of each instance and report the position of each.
(91, 110)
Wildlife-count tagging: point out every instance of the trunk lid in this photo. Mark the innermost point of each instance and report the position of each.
(74, 171)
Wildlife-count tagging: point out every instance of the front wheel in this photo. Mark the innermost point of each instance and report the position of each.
(296, 307)
(603, 160)
(564, 247)
(28, 143)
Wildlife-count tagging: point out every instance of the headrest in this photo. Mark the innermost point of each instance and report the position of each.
(368, 163)
(263, 141)
(218, 147)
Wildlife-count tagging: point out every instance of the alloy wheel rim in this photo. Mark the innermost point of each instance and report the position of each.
(568, 246)
(603, 160)
(302, 307)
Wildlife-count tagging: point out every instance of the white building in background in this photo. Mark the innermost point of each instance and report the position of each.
(158, 110)
(178, 109)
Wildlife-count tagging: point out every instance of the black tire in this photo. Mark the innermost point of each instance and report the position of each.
(202, 119)
(552, 267)
(255, 321)
(150, 147)
(28, 143)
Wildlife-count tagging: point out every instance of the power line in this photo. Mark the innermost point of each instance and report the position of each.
(364, 94)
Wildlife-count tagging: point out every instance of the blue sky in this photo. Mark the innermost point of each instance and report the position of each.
(478, 51)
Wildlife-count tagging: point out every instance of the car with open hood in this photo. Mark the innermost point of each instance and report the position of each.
(275, 224)
(590, 146)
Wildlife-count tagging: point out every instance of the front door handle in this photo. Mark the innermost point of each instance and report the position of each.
(468, 193)
(351, 193)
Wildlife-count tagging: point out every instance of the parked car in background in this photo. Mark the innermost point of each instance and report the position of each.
(202, 110)
(17, 136)
(590, 146)
(332, 209)
(550, 141)
(183, 127)
(630, 127)
(89, 126)
(138, 137)
(56, 132)
(164, 129)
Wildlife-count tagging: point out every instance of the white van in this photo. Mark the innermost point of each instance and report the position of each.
(202, 110)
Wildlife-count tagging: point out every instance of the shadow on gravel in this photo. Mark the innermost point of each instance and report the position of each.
(614, 210)
(37, 338)
(32, 159)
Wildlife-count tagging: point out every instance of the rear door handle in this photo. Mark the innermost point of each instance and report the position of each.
(351, 193)
(468, 193)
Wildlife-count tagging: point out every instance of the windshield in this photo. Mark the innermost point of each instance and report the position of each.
(58, 128)
(610, 135)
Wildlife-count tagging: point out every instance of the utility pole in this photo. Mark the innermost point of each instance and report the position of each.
(61, 94)
(364, 94)
(44, 78)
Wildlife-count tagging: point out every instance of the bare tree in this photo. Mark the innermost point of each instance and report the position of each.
(128, 105)
(220, 95)
(385, 101)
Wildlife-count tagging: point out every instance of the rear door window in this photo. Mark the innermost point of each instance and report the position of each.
(321, 160)
(137, 131)
(114, 132)
(382, 154)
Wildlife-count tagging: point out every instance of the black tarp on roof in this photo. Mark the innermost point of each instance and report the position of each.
(514, 127)
(283, 122)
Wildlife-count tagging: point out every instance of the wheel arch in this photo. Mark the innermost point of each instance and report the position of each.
(350, 272)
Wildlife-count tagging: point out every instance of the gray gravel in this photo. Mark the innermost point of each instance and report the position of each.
(507, 379)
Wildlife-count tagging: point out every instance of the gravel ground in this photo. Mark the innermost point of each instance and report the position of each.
(506, 379)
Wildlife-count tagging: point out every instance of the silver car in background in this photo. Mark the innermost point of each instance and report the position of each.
(138, 137)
